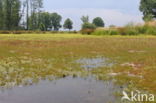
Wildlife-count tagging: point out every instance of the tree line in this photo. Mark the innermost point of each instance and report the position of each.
(15, 14)
(29, 15)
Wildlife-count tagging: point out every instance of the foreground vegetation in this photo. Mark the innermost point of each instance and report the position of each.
(27, 59)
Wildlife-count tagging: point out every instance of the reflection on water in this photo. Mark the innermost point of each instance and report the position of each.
(90, 63)
(67, 90)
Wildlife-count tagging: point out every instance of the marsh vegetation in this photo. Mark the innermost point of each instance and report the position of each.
(28, 60)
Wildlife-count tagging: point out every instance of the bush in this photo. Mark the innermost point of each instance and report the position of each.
(113, 32)
(105, 32)
(141, 29)
(99, 32)
(151, 30)
(129, 29)
(148, 28)
(5, 32)
(17, 32)
(87, 31)
(88, 28)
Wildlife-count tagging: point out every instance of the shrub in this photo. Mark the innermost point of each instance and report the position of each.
(88, 28)
(151, 30)
(105, 32)
(141, 29)
(87, 31)
(17, 32)
(113, 32)
(131, 31)
(5, 32)
(99, 32)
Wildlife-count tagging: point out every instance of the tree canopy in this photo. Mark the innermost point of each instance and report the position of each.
(148, 7)
(88, 26)
(98, 22)
(68, 24)
(56, 19)
(9, 14)
(45, 21)
(85, 19)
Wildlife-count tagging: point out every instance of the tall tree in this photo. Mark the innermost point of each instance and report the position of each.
(1, 14)
(16, 14)
(32, 8)
(56, 20)
(68, 24)
(11, 14)
(98, 22)
(148, 7)
(27, 14)
(45, 20)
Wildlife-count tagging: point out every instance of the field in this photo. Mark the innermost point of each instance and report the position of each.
(128, 61)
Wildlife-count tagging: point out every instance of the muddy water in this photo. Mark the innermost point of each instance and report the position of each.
(66, 90)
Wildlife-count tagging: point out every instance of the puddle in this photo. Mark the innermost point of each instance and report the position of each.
(67, 90)
(91, 63)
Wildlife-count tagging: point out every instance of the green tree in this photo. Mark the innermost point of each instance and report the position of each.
(45, 19)
(98, 22)
(68, 24)
(88, 26)
(42, 27)
(56, 20)
(51, 21)
(27, 13)
(1, 14)
(33, 9)
(11, 14)
(148, 7)
(85, 19)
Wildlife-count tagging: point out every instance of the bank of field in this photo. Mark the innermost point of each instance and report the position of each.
(130, 61)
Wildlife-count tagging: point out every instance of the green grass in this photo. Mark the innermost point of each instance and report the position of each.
(34, 57)
(40, 36)
(61, 36)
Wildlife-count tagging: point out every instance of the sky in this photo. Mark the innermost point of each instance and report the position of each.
(113, 12)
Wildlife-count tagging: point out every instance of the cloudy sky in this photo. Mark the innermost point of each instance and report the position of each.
(117, 12)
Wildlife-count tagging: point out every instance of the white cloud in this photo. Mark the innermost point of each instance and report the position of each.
(115, 17)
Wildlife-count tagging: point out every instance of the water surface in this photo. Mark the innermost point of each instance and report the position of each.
(66, 90)
(91, 63)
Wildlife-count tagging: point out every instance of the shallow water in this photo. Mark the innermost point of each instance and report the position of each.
(66, 90)
(90, 63)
